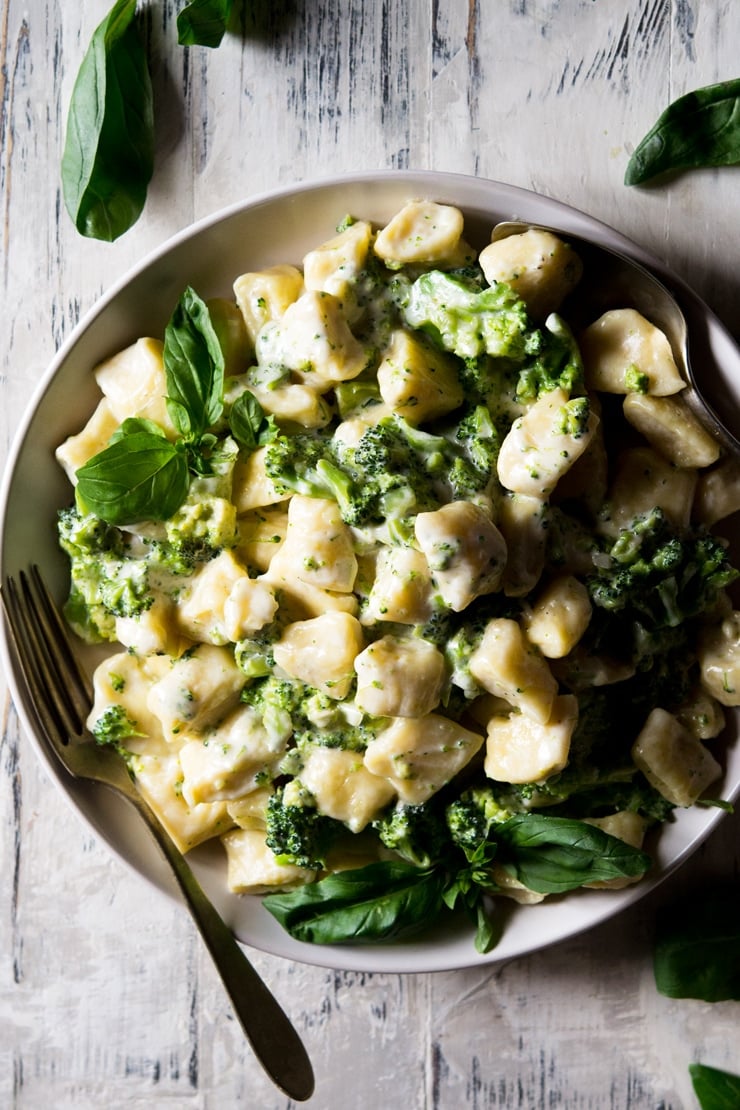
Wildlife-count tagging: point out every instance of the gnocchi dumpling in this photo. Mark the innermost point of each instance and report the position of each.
(322, 651)
(422, 231)
(402, 591)
(538, 265)
(519, 749)
(622, 352)
(196, 692)
(542, 445)
(134, 383)
(678, 765)
(559, 616)
(419, 755)
(342, 786)
(670, 426)
(464, 549)
(416, 381)
(253, 868)
(318, 547)
(719, 658)
(399, 677)
(264, 295)
(313, 339)
(507, 665)
(643, 481)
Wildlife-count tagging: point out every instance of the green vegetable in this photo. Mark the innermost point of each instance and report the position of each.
(106, 581)
(114, 726)
(697, 947)
(109, 148)
(380, 902)
(417, 833)
(388, 899)
(203, 22)
(296, 832)
(660, 577)
(699, 129)
(250, 426)
(554, 854)
(194, 368)
(715, 1089)
(140, 476)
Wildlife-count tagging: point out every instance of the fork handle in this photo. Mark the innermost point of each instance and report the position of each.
(273, 1038)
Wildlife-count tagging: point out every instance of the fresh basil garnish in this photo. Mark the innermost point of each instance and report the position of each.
(554, 854)
(139, 476)
(250, 426)
(697, 947)
(109, 148)
(382, 901)
(203, 22)
(715, 1089)
(697, 130)
(194, 368)
(390, 899)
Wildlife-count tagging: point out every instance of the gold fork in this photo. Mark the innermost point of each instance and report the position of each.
(62, 698)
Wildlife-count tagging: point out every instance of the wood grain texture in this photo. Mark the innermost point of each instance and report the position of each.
(106, 997)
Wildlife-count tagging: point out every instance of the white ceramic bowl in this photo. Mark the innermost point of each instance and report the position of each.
(281, 227)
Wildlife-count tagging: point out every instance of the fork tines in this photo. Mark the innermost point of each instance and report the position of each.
(59, 688)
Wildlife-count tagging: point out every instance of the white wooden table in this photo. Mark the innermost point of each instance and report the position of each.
(106, 997)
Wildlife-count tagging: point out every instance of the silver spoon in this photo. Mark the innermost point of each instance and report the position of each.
(613, 280)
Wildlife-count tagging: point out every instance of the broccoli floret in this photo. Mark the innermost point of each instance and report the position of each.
(106, 581)
(114, 726)
(471, 816)
(296, 832)
(206, 521)
(307, 464)
(557, 364)
(659, 578)
(277, 700)
(470, 321)
(255, 656)
(418, 833)
(356, 397)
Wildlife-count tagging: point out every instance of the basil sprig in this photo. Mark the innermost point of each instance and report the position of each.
(715, 1089)
(109, 147)
(390, 899)
(203, 22)
(697, 947)
(142, 475)
(697, 130)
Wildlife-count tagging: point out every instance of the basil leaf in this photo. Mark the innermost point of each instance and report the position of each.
(137, 477)
(194, 368)
(715, 1089)
(109, 147)
(555, 854)
(134, 424)
(697, 948)
(382, 901)
(699, 129)
(203, 22)
(249, 424)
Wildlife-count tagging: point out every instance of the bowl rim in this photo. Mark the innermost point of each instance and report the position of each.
(362, 957)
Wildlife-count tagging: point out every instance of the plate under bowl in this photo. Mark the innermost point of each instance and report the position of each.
(273, 228)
